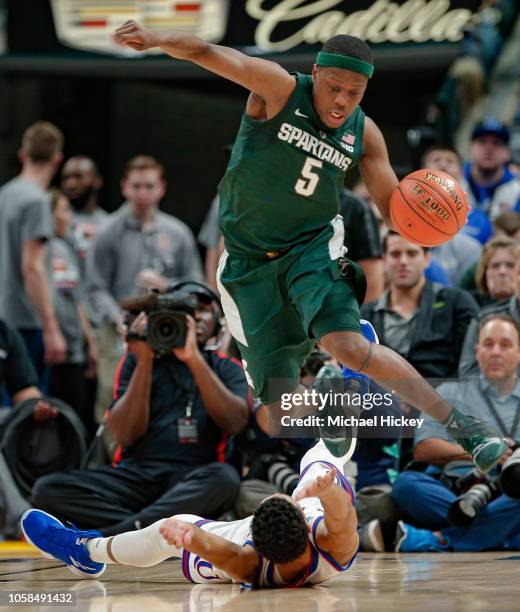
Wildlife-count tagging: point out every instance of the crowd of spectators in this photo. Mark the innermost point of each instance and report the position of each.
(185, 426)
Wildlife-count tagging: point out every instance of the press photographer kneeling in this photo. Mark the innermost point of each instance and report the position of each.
(175, 405)
(471, 512)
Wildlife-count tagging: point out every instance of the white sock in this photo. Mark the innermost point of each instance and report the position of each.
(141, 548)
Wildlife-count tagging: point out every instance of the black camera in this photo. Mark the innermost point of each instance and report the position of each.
(478, 490)
(167, 327)
(510, 475)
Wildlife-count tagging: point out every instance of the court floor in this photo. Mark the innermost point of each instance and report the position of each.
(375, 583)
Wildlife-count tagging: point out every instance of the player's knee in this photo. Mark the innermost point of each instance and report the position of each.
(350, 348)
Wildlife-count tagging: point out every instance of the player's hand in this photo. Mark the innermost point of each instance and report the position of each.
(320, 486)
(134, 35)
(178, 533)
(190, 351)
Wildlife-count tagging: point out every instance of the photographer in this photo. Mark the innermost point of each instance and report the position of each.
(492, 520)
(171, 416)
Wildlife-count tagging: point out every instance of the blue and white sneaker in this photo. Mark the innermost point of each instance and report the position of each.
(412, 539)
(56, 541)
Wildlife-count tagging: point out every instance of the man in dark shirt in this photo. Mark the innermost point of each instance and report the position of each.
(171, 417)
(423, 321)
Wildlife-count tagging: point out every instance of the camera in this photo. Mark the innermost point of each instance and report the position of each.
(479, 489)
(167, 327)
(510, 475)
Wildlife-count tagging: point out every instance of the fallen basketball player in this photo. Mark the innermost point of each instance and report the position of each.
(289, 541)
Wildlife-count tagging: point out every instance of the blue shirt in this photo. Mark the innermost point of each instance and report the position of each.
(478, 226)
(484, 194)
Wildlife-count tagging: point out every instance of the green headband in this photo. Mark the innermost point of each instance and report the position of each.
(333, 60)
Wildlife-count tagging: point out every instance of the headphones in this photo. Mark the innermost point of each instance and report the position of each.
(200, 289)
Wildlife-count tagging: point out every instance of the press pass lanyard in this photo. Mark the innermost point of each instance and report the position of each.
(187, 430)
(498, 419)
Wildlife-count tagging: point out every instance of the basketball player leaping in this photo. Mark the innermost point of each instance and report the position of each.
(289, 541)
(283, 278)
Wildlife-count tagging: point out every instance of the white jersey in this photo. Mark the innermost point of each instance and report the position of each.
(322, 565)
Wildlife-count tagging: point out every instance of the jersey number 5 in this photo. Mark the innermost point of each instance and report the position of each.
(309, 179)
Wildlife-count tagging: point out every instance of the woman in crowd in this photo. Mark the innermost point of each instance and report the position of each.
(67, 380)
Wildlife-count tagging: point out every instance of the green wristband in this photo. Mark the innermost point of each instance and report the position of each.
(333, 60)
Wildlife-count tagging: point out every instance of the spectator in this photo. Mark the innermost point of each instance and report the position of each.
(25, 229)
(423, 499)
(423, 322)
(468, 365)
(139, 248)
(211, 239)
(363, 241)
(494, 187)
(81, 183)
(172, 417)
(478, 226)
(508, 225)
(18, 377)
(462, 250)
(495, 273)
(67, 380)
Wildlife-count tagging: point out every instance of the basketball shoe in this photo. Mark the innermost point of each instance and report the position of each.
(477, 438)
(338, 437)
(66, 544)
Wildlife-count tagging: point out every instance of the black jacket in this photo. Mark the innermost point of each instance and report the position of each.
(440, 327)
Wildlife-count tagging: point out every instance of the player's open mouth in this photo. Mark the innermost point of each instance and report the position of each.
(336, 117)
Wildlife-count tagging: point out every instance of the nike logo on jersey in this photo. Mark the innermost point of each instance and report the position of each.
(298, 113)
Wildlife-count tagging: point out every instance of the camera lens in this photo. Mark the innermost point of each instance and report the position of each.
(165, 328)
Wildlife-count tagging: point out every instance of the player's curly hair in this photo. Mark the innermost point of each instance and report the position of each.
(279, 530)
(343, 44)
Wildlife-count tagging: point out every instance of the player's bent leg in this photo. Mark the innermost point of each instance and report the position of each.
(317, 461)
(387, 367)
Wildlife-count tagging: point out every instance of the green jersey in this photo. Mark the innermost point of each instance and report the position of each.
(285, 176)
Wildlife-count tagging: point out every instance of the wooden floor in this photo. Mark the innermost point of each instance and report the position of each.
(375, 583)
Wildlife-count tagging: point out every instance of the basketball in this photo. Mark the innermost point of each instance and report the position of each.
(428, 207)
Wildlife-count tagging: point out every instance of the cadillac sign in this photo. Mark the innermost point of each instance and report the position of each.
(278, 26)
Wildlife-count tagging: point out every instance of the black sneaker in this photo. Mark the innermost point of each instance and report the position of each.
(339, 438)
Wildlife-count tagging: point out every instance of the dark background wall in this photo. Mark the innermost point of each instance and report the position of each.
(184, 123)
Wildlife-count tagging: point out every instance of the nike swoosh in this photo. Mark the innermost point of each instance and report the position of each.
(80, 566)
(298, 113)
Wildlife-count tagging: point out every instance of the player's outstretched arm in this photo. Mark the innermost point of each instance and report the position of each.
(337, 533)
(266, 79)
(376, 171)
(239, 562)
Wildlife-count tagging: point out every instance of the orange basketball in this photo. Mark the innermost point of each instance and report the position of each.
(428, 207)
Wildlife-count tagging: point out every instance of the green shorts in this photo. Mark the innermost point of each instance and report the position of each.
(276, 309)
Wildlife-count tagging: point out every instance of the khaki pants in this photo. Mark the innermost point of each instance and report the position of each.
(110, 350)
